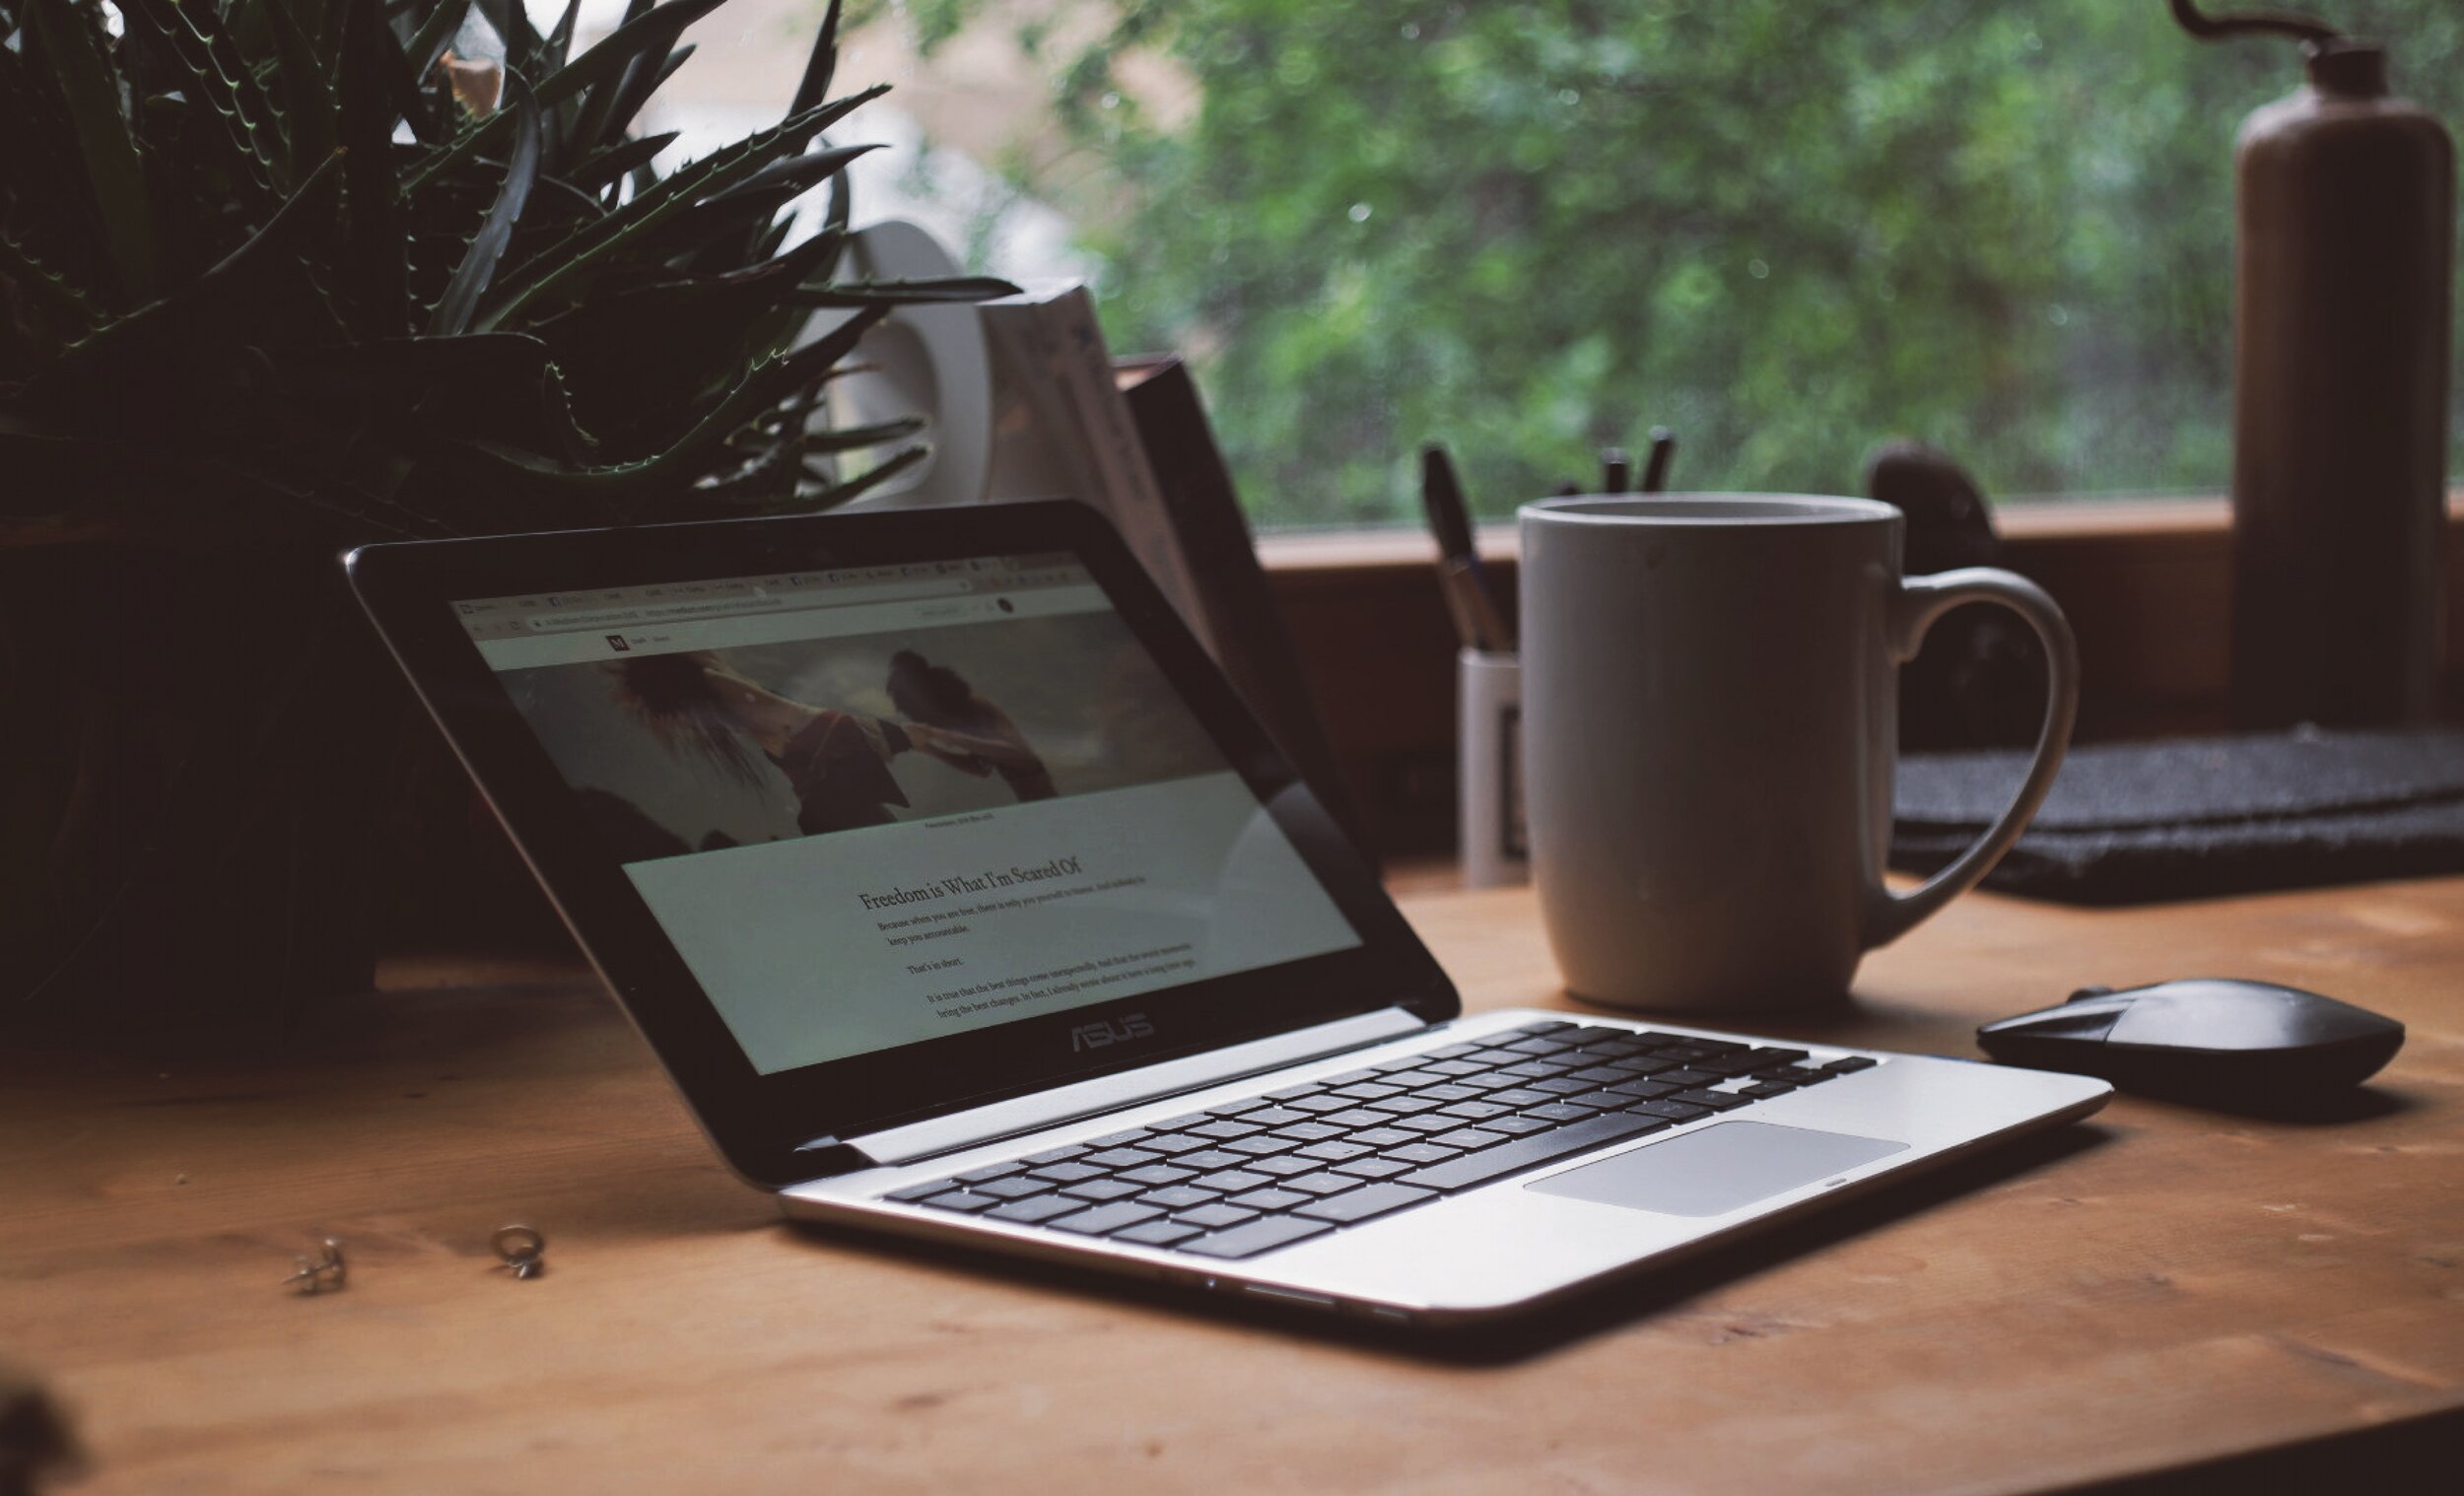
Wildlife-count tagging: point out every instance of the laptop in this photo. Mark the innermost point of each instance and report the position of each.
(962, 899)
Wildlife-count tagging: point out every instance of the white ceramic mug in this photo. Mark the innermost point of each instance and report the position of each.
(1710, 712)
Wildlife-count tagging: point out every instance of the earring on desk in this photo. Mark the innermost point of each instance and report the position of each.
(521, 1248)
(323, 1273)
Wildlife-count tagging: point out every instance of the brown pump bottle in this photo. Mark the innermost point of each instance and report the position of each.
(2346, 205)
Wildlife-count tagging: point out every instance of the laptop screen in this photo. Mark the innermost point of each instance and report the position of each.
(877, 807)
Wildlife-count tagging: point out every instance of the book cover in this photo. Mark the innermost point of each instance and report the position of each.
(1251, 640)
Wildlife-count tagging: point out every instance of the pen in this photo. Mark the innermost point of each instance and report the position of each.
(1452, 586)
(1460, 569)
(1489, 632)
(1615, 472)
(1656, 466)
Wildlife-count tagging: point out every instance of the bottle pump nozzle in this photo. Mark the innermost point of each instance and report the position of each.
(2246, 22)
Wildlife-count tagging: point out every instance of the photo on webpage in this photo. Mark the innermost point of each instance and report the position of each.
(704, 750)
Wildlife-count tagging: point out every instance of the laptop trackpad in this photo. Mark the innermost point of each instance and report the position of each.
(1717, 1170)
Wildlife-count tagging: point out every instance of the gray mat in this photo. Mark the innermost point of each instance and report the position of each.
(2192, 817)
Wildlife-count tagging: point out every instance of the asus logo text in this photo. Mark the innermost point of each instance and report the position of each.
(1095, 1036)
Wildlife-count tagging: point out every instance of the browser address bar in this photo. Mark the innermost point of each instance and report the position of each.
(731, 607)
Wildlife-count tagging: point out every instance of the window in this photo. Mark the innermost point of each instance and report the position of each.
(1785, 229)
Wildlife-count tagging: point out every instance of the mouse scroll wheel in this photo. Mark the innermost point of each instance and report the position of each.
(2085, 993)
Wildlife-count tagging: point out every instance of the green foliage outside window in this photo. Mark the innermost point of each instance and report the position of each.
(1786, 229)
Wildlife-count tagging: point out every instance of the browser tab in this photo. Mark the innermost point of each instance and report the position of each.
(740, 611)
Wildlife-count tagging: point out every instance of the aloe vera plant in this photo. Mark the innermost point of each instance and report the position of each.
(290, 263)
(278, 276)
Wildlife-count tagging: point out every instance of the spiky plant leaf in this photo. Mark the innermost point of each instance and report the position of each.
(525, 50)
(504, 387)
(560, 43)
(848, 438)
(839, 211)
(656, 29)
(308, 112)
(819, 64)
(765, 386)
(163, 356)
(956, 287)
(47, 178)
(454, 310)
(796, 175)
(593, 246)
(426, 44)
(630, 351)
(68, 313)
(375, 263)
(775, 466)
(872, 478)
(64, 37)
(590, 124)
(605, 169)
(224, 83)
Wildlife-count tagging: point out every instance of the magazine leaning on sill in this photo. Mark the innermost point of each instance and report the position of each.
(1020, 400)
(1046, 345)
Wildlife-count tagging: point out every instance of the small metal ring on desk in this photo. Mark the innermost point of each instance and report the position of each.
(519, 1244)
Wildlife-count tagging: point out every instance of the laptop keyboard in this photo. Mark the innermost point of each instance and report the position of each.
(1268, 1170)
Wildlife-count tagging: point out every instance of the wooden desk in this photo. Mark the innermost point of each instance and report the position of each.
(2159, 1287)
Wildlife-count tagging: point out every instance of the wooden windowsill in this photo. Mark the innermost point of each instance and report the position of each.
(1299, 553)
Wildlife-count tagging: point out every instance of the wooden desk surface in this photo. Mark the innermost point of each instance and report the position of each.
(2157, 1287)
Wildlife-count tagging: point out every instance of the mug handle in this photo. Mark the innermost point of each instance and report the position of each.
(1914, 604)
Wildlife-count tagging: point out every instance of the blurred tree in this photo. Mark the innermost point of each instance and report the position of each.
(1785, 227)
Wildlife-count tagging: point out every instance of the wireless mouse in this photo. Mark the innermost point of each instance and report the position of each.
(2208, 1037)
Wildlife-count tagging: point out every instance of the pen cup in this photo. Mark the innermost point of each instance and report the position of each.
(1489, 769)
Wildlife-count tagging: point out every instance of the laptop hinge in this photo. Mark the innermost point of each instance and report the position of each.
(1022, 1115)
